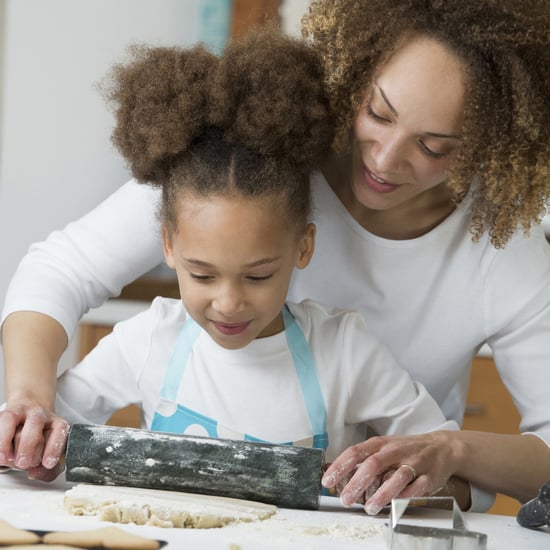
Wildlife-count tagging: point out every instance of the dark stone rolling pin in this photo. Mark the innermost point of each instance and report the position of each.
(282, 475)
(536, 512)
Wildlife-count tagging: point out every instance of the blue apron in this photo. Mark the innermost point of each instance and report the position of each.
(173, 417)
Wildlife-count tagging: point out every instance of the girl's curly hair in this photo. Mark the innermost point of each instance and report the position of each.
(505, 49)
(255, 120)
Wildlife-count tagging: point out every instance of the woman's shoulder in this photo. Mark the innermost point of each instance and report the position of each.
(320, 320)
(162, 315)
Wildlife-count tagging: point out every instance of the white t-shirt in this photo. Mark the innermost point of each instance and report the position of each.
(436, 299)
(254, 390)
(433, 300)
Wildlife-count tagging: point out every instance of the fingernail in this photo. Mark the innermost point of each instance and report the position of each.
(372, 509)
(350, 497)
(50, 463)
(328, 481)
(346, 500)
(22, 462)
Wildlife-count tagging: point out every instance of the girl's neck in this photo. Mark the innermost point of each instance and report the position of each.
(406, 221)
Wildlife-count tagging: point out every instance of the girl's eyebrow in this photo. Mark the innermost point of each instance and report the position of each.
(257, 263)
(396, 114)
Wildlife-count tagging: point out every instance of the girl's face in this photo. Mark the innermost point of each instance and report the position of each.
(234, 257)
(408, 128)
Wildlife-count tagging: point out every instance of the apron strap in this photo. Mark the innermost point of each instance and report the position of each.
(307, 373)
(178, 360)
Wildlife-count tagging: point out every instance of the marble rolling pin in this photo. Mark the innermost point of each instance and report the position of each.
(286, 476)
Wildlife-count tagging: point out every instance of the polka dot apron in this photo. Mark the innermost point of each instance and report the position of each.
(173, 417)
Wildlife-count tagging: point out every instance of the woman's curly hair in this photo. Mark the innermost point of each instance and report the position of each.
(505, 49)
(255, 120)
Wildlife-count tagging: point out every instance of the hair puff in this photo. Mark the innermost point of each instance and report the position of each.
(267, 94)
(160, 103)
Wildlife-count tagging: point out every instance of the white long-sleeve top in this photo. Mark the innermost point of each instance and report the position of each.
(433, 300)
(254, 390)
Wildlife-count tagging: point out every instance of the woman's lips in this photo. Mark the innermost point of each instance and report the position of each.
(378, 184)
(231, 329)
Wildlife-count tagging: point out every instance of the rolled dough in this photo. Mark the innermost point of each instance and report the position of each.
(161, 508)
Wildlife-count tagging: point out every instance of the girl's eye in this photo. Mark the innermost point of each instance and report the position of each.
(375, 116)
(429, 152)
(198, 277)
(258, 279)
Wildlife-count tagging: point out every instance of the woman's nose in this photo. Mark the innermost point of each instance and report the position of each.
(388, 154)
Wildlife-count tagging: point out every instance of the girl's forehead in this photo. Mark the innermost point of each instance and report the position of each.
(249, 211)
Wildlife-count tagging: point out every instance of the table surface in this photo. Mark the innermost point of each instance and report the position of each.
(35, 505)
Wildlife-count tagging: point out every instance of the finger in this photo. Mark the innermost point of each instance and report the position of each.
(374, 486)
(365, 476)
(56, 441)
(30, 438)
(45, 474)
(9, 421)
(344, 465)
(418, 488)
(391, 488)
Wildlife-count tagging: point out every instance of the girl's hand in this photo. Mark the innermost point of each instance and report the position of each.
(32, 438)
(385, 467)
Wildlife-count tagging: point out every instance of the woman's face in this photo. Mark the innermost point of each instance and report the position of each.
(407, 130)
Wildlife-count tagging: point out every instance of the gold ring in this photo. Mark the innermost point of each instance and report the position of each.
(411, 469)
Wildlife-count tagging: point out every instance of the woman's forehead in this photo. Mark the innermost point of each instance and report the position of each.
(425, 80)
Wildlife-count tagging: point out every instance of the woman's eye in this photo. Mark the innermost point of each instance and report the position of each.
(429, 151)
(376, 116)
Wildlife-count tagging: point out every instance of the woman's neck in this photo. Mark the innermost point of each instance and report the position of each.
(409, 220)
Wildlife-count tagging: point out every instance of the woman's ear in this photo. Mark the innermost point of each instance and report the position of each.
(306, 246)
(167, 247)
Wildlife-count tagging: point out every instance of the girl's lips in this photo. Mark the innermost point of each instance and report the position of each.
(230, 329)
(378, 184)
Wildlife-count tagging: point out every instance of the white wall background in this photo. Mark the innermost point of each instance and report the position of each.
(56, 160)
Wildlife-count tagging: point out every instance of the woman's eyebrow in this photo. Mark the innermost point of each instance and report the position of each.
(387, 101)
(396, 114)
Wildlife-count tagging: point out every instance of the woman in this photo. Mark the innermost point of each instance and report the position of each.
(426, 220)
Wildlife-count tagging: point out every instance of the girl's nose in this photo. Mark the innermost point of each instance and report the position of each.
(228, 301)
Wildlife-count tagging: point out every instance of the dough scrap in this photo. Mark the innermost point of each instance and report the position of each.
(162, 508)
(107, 537)
(12, 535)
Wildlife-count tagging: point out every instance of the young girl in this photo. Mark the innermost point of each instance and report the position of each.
(230, 142)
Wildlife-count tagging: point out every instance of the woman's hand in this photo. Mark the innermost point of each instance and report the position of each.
(385, 467)
(32, 438)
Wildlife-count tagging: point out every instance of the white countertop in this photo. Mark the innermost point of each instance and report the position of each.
(39, 506)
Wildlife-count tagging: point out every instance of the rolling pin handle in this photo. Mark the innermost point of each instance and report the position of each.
(536, 512)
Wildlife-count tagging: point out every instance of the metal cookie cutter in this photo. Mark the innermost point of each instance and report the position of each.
(423, 531)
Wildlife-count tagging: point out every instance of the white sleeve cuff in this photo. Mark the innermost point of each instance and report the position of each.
(481, 500)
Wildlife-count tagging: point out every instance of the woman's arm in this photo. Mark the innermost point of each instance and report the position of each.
(30, 375)
(514, 465)
(55, 284)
